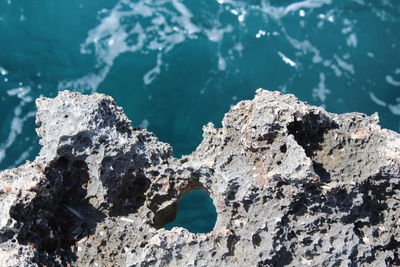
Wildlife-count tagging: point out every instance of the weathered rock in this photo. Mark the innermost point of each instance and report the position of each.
(292, 184)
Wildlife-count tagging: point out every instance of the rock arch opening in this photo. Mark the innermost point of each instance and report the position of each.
(195, 212)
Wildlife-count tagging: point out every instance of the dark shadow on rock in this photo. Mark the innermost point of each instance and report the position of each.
(125, 182)
(309, 133)
(60, 215)
(131, 194)
(323, 174)
(281, 258)
(112, 118)
(375, 192)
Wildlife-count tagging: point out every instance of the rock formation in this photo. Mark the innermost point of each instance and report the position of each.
(293, 185)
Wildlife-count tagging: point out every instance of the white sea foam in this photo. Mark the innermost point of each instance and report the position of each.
(347, 30)
(344, 65)
(121, 29)
(370, 54)
(21, 93)
(321, 91)
(216, 35)
(238, 47)
(309, 4)
(376, 100)
(395, 109)
(22, 157)
(352, 40)
(185, 18)
(149, 77)
(279, 12)
(221, 63)
(90, 82)
(390, 80)
(305, 47)
(18, 119)
(286, 59)
(260, 33)
(3, 71)
(113, 37)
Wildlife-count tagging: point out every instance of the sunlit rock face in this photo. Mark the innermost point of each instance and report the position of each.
(292, 185)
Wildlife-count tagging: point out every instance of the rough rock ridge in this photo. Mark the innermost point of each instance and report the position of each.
(293, 185)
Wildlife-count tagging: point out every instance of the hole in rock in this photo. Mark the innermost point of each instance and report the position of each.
(196, 213)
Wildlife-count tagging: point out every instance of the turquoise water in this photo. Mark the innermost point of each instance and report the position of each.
(196, 212)
(176, 65)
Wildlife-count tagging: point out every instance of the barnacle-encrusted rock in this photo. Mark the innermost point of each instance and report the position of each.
(292, 184)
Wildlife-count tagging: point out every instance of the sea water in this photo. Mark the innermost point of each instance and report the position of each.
(174, 65)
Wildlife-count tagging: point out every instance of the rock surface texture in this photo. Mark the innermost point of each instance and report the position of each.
(293, 185)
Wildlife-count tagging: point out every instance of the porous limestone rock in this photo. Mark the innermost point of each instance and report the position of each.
(293, 185)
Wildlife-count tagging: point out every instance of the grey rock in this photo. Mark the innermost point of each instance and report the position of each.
(293, 185)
